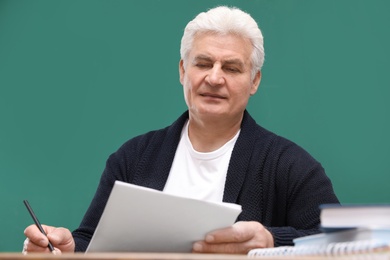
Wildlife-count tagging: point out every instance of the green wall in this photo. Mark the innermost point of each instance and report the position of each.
(78, 78)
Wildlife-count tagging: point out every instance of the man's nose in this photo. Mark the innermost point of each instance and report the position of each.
(215, 76)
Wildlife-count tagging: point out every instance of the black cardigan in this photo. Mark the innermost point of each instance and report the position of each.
(276, 182)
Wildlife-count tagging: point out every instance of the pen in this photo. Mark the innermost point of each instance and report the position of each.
(37, 222)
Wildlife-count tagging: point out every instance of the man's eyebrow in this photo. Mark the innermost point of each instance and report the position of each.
(202, 57)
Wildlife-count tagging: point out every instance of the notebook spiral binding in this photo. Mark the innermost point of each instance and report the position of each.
(332, 249)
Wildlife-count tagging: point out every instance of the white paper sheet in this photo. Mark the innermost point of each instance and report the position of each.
(138, 219)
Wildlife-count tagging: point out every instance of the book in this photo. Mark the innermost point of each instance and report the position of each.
(336, 216)
(347, 242)
(357, 234)
(139, 219)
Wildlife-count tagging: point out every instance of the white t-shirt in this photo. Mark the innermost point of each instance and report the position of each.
(199, 175)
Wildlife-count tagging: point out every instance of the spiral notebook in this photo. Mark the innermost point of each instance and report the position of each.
(349, 242)
(366, 247)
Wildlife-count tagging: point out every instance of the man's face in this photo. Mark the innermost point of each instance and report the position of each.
(217, 77)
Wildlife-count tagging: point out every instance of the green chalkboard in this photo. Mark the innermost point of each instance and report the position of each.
(79, 78)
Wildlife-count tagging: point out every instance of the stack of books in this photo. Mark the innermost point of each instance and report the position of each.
(347, 230)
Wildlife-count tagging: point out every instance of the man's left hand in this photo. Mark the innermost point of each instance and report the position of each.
(236, 239)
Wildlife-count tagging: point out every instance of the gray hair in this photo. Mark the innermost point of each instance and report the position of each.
(225, 20)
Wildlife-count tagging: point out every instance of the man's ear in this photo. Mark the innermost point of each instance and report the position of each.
(181, 71)
(255, 83)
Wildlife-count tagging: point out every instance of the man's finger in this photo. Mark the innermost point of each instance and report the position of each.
(35, 236)
(224, 248)
(237, 233)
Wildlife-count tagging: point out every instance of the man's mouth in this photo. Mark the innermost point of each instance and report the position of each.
(212, 95)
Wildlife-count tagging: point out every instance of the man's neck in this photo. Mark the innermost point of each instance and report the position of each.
(213, 134)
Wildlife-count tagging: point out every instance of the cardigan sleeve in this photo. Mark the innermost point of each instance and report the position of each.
(83, 234)
(301, 187)
(117, 168)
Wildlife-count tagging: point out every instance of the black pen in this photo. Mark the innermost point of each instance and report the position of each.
(37, 222)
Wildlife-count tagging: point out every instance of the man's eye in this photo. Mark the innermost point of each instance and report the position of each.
(232, 69)
(202, 65)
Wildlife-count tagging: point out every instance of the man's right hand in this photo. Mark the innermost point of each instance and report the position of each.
(60, 238)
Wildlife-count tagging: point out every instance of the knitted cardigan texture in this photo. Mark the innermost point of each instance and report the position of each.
(276, 182)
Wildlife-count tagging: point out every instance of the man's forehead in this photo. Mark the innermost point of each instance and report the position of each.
(229, 48)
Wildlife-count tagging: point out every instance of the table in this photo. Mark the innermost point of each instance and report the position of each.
(172, 256)
(121, 256)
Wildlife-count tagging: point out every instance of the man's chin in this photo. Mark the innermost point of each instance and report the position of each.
(211, 113)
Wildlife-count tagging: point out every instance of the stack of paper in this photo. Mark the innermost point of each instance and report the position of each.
(139, 219)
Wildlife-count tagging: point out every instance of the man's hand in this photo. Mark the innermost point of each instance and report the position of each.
(237, 239)
(60, 238)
